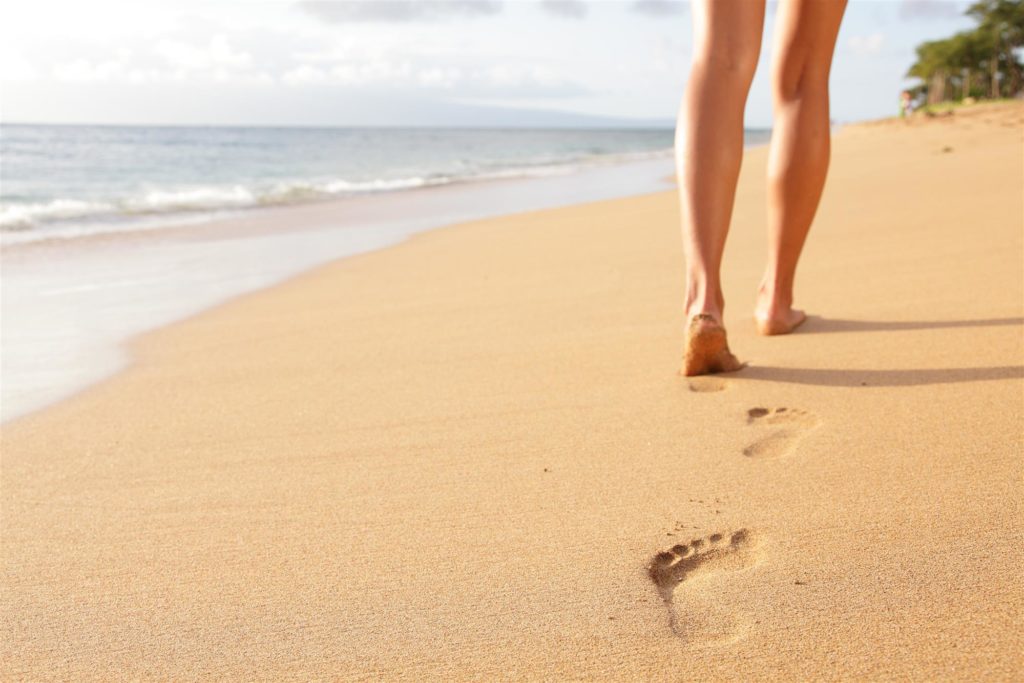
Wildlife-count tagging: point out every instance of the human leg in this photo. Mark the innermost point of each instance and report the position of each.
(804, 42)
(709, 150)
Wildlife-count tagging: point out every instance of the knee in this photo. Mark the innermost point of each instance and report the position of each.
(799, 79)
(733, 65)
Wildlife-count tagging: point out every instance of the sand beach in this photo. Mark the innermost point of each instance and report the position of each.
(469, 456)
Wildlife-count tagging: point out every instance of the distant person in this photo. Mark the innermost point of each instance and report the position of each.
(906, 104)
(709, 148)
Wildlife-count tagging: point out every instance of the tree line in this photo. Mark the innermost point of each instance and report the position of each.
(979, 63)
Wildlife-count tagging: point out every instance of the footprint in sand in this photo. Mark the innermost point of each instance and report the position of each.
(685, 577)
(706, 384)
(781, 429)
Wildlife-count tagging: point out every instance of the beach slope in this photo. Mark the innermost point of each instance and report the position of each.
(469, 456)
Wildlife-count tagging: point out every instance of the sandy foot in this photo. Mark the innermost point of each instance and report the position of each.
(770, 326)
(684, 576)
(707, 350)
(782, 429)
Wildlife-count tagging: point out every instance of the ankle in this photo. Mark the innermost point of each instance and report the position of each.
(773, 296)
(704, 311)
(701, 301)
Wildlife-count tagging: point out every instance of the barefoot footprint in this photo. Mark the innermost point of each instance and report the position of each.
(707, 384)
(781, 429)
(683, 576)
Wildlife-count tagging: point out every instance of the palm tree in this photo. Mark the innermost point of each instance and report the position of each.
(933, 67)
(1001, 23)
(969, 56)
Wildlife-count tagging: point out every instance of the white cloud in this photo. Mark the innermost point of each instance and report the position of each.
(571, 9)
(930, 9)
(499, 79)
(14, 68)
(179, 63)
(218, 54)
(223, 60)
(85, 71)
(659, 8)
(349, 11)
(305, 75)
(867, 44)
(439, 77)
(520, 75)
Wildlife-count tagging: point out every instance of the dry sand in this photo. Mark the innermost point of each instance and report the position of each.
(457, 458)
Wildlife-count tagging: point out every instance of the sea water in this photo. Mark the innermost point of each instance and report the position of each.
(65, 181)
(92, 249)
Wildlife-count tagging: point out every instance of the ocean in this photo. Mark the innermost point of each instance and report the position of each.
(107, 232)
(66, 181)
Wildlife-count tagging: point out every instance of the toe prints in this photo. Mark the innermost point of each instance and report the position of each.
(691, 615)
(686, 560)
(780, 430)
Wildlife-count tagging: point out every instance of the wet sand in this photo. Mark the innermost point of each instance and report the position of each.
(469, 456)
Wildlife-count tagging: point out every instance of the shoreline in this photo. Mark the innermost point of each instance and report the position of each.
(342, 227)
(458, 457)
(160, 222)
(158, 194)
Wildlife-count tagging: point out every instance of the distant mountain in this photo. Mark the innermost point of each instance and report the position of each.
(460, 115)
(325, 107)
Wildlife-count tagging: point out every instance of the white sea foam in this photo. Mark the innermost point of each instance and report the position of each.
(200, 198)
(25, 216)
(66, 218)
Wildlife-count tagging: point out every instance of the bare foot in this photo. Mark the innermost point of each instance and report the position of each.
(707, 350)
(771, 321)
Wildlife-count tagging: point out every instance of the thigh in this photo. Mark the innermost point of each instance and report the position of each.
(805, 38)
(729, 31)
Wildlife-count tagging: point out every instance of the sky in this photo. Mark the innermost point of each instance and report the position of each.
(409, 62)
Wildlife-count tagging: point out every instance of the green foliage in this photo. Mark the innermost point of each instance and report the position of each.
(981, 62)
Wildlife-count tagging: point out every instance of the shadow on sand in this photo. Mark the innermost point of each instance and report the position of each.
(830, 377)
(819, 325)
(879, 378)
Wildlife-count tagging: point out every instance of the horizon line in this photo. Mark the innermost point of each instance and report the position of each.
(666, 125)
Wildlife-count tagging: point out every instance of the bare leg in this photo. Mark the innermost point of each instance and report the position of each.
(805, 37)
(709, 149)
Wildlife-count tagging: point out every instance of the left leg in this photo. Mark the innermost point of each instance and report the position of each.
(709, 151)
(805, 38)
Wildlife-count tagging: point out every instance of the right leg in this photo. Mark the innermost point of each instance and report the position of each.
(805, 38)
(709, 149)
